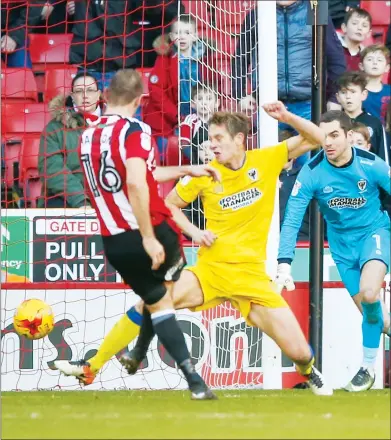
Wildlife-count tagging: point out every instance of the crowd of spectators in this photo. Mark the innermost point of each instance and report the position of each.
(184, 85)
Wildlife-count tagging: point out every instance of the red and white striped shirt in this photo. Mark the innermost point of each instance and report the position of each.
(104, 148)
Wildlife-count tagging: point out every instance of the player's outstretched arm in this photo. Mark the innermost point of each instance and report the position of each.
(299, 199)
(138, 193)
(310, 135)
(176, 204)
(166, 174)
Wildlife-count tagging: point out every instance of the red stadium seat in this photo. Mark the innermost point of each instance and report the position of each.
(173, 153)
(49, 49)
(18, 85)
(28, 163)
(58, 82)
(18, 121)
(28, 170)
(381, 16)
(21, 118)
(380, 11)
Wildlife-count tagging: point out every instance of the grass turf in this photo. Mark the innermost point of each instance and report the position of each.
(170, 414)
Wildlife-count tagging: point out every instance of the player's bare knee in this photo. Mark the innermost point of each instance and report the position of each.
(369, 295)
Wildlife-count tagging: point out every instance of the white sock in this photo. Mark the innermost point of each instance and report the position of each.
(369, 358)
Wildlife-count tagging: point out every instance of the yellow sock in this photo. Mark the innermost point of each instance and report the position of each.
(305, 370)
(124, 331)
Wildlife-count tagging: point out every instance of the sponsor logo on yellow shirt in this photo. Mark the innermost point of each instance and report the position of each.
(241, 199)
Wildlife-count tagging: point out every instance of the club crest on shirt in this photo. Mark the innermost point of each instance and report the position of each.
(253, 174)
(328, 189)
(362, 185)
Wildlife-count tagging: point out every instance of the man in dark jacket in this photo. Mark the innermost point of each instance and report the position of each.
(14, 21)
(107, 37)
(294, 53)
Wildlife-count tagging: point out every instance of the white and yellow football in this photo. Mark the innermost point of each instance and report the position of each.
(33, 319)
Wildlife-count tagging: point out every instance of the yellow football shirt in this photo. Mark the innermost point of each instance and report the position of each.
(239, 210)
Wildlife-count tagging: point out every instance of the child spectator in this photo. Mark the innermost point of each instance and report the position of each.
(351, 95)
(356, 28)
(375, 62)
(161, 111)
(193, 134)
(361, 137)
(194, 139)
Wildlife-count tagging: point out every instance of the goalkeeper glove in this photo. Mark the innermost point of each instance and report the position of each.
(284, 277)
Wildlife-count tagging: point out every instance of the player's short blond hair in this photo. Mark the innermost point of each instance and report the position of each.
(234, 123)
(125, 87)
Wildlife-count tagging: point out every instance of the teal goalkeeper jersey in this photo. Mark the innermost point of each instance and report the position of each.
(348, 198)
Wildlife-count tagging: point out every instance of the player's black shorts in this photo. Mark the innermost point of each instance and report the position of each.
(126, 254)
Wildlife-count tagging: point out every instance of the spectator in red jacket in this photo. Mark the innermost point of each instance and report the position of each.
(356, 28)
(167, 85)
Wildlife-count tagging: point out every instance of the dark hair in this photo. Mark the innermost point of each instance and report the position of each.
(337, 115)
(84, 75)
(235, 123)
(352, 78)
(362, 13)
(375, 48)
(206, 88)
(361, 128)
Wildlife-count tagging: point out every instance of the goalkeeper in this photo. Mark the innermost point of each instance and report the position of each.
(231, 260)
(346, 183)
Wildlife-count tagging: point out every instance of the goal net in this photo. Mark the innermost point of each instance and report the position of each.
(55, 254)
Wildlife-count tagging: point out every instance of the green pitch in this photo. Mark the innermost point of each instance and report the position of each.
(170, 414)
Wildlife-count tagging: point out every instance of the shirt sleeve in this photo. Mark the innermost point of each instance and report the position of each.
(189, 188)
(302, 193)
(138, 144)
(382, 173)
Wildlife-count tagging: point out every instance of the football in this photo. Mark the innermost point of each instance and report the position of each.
(33, 319)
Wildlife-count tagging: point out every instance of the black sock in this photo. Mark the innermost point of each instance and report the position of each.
(146, 335)
(171, 336)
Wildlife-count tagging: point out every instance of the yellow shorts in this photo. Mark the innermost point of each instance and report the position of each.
(241, 284)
